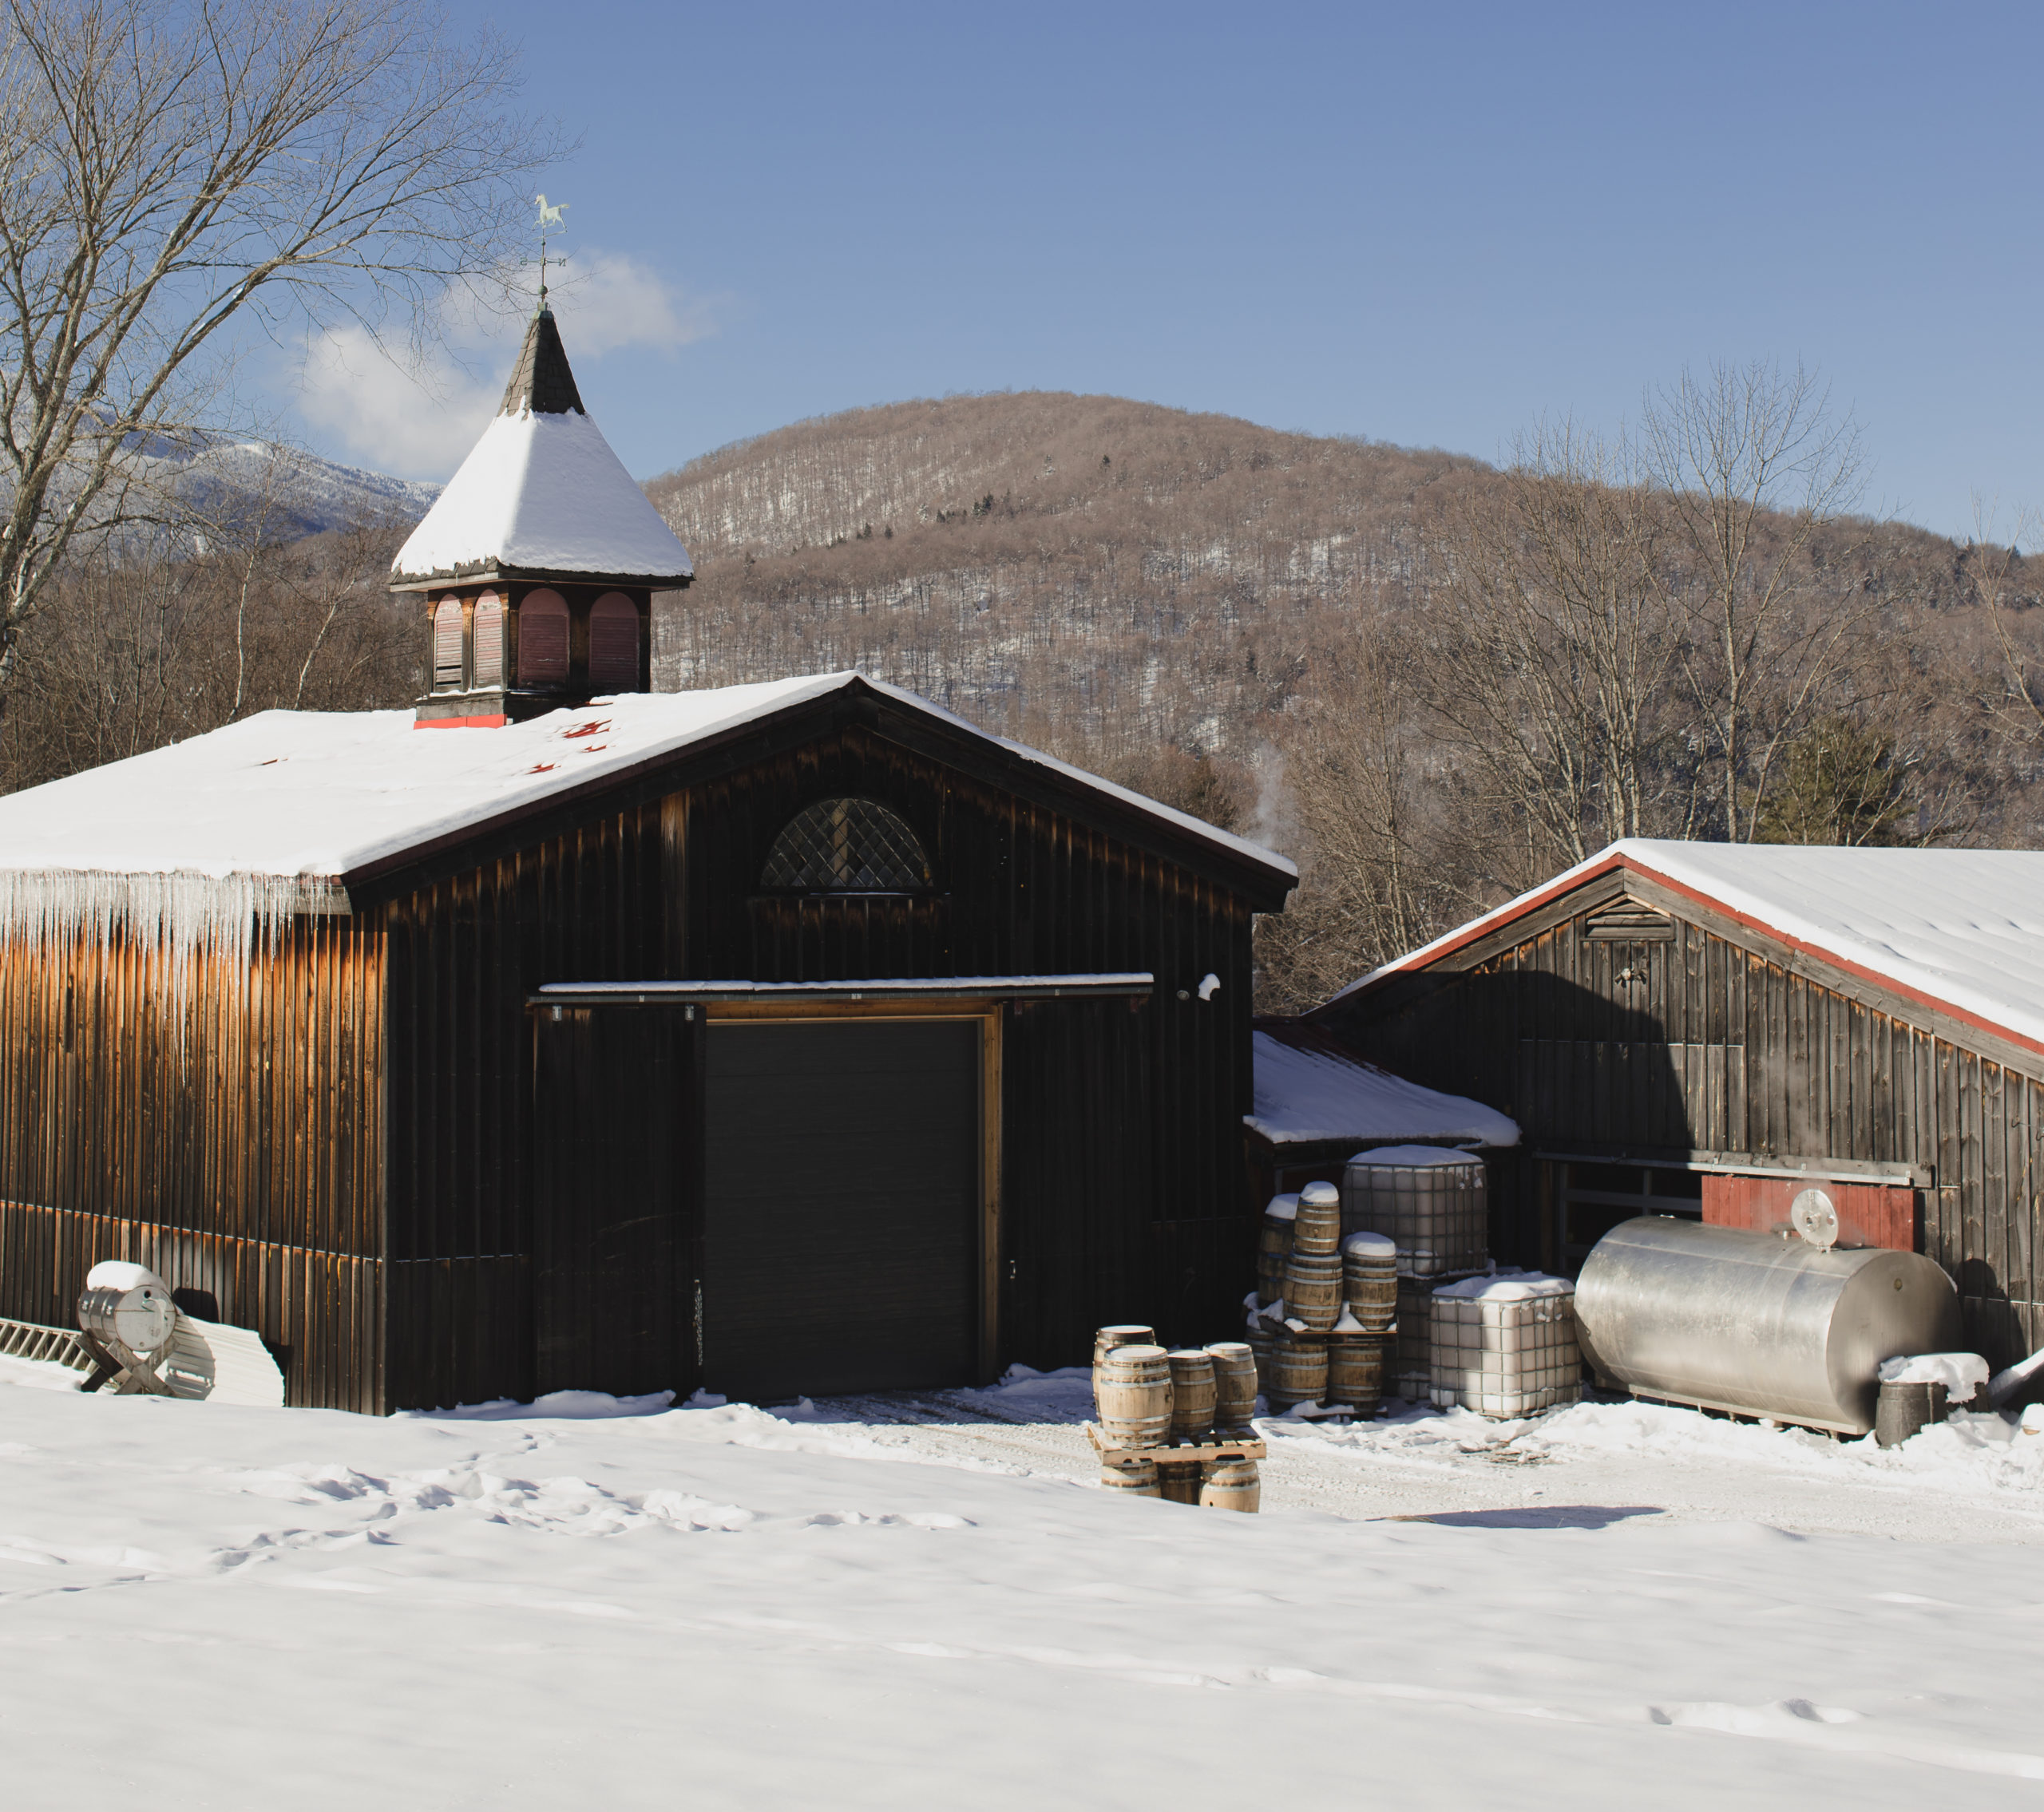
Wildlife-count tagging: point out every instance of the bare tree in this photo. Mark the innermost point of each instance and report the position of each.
(1753, 466)
(1548, 673)
(1995, 570)
(167, 170)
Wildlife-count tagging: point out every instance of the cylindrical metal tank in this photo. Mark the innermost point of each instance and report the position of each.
(1755, 1323)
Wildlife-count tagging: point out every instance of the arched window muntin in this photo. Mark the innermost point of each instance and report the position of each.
(849, 844)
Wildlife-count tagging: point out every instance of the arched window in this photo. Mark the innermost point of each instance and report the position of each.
(614, 643)
(846, 846)
(447, 646)
(542, 639)
(488, 639)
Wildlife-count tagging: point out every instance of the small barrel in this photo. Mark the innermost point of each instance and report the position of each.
(1274, 1247)
(1278, 1219)
(1313, 1289)
(1235, 1384)
(1134, 1478)
(1178, 1481)
(1317, 1227)
(1192, 1392)
(1901, 1411)
(1299, 1371)
(1355, 1371)
(1369, 1280)
(1231, 1485)
(1259, 1342)
(1133, 1398)
(1121, 1334)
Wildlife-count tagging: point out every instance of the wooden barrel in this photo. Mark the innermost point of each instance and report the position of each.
(1355, 1371)
(1317, 1227)
(1313, 1289)
(1121, 1334)
(1369, 1280)
(1235, 1382)
(1135, 1478)
(1259, 1342)
(1274, 1247)
(1277, 1236)
(1299, 1371)
(1133, 1398)
(1178, 1481)
(1231, 1485)
(1192, 1392)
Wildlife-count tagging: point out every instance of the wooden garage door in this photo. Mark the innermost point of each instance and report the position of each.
(842, 1206)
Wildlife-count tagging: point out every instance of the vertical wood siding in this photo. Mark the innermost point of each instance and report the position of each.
(218, 1121)
(1706, 1045)
(339, 1139)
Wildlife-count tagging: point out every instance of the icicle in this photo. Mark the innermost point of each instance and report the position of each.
(220, 915)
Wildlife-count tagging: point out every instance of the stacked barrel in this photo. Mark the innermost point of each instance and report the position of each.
(1432, 1204)
(1166, 1404)
(1321, 1315)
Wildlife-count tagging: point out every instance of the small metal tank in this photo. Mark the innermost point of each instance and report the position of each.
(126, 1303)
(1755, 1323)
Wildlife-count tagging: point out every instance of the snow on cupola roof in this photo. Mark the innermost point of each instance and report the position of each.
(541, 495)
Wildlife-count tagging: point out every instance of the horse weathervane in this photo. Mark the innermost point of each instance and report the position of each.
(550, 218)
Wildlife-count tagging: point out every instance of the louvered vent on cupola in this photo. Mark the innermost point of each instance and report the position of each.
(1627, 921)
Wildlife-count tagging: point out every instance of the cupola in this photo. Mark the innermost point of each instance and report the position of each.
(537, 565)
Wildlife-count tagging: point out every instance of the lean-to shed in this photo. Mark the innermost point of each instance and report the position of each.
(795, 1037)
(1706, 1029)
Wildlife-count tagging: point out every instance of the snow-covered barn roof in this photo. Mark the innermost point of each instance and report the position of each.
(541, 495)
(1959, 930)
(276, 813)
(1309, 1090)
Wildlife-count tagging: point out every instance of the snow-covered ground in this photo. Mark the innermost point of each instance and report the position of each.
(923, 1601)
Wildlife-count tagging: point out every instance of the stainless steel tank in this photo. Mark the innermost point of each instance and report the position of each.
(1755, 1323)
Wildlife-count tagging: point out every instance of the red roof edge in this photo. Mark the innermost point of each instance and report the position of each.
(1428, 955)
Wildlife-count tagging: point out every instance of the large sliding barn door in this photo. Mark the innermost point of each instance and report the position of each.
(842, 1206)
(615, 1144)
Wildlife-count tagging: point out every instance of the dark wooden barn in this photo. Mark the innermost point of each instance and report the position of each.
(1705, 1030)
(792, 1038)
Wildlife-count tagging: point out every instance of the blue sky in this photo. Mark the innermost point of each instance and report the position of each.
(1427, 229)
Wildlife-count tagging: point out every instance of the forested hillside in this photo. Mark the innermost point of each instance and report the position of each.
(1431, 681)
(1077, 567)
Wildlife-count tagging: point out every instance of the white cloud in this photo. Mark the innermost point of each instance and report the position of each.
(419, 422)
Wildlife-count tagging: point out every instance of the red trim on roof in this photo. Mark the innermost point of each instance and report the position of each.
(462, 723)
(1484, 927)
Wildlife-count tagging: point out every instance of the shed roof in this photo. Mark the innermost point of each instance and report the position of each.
(1309, 1090)
(541, 495)
(1959, 930)
(291, 805)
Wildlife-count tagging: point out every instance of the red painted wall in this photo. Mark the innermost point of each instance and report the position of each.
(1869, 1214)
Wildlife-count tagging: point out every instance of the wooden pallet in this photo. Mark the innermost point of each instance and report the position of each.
(1247, 1447)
